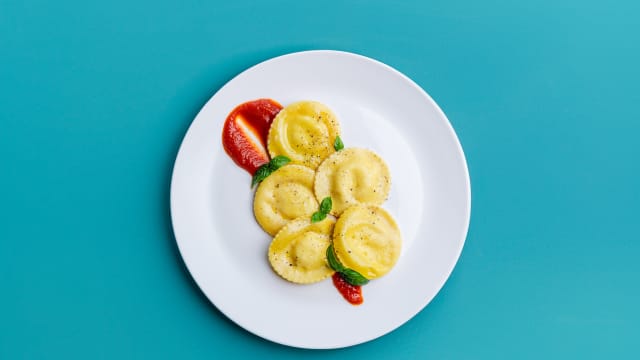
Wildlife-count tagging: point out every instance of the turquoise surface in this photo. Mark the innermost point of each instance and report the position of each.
(95, 98)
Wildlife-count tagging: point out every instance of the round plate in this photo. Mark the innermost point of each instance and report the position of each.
(378, 108)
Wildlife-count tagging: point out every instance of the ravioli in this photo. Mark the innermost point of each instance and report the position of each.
(353, 176)
(304, 132)
(284, 195)
(367, 239)
(298, 252)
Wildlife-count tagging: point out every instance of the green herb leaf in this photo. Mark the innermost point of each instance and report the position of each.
(325, 205)
(349, 275)
(338, 145)
(318, 216)
(353, 277)
(279, 161)
(265, 170)
(333, 260)
(261, 174)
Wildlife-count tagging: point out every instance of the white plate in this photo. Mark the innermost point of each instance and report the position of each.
(378, 108)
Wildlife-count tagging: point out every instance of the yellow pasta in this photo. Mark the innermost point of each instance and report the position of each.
(283, 196)
(367, 239)
(353, 176)
(297, 253)
(304, 132)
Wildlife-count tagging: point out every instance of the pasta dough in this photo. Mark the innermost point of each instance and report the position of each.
(367, 239)
(353, 176)
(283, 196)
(304, 132)
(297, 253)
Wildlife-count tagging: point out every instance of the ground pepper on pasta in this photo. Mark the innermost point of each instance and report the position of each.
(323, 199)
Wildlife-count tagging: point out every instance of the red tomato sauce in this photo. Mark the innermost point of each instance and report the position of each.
(351, 293)
(244, 135)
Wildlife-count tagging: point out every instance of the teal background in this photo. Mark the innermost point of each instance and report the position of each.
(95, 98)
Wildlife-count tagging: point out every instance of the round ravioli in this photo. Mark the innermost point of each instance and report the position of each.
(284, 195)
(353, 176)
(367, 239)
(298, 252)
(304, 132)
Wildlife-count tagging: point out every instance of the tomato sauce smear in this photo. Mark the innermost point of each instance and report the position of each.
(351, 293)
(245, 131)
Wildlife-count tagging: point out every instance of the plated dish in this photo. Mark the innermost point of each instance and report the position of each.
(225, 249)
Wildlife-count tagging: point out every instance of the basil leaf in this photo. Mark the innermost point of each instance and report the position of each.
(279, 161)
(326, 204)
(333, 260)
(261, 174)
(338, 145)
(353, 277)
(318, 216)
(349, 275)
(265, 170)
